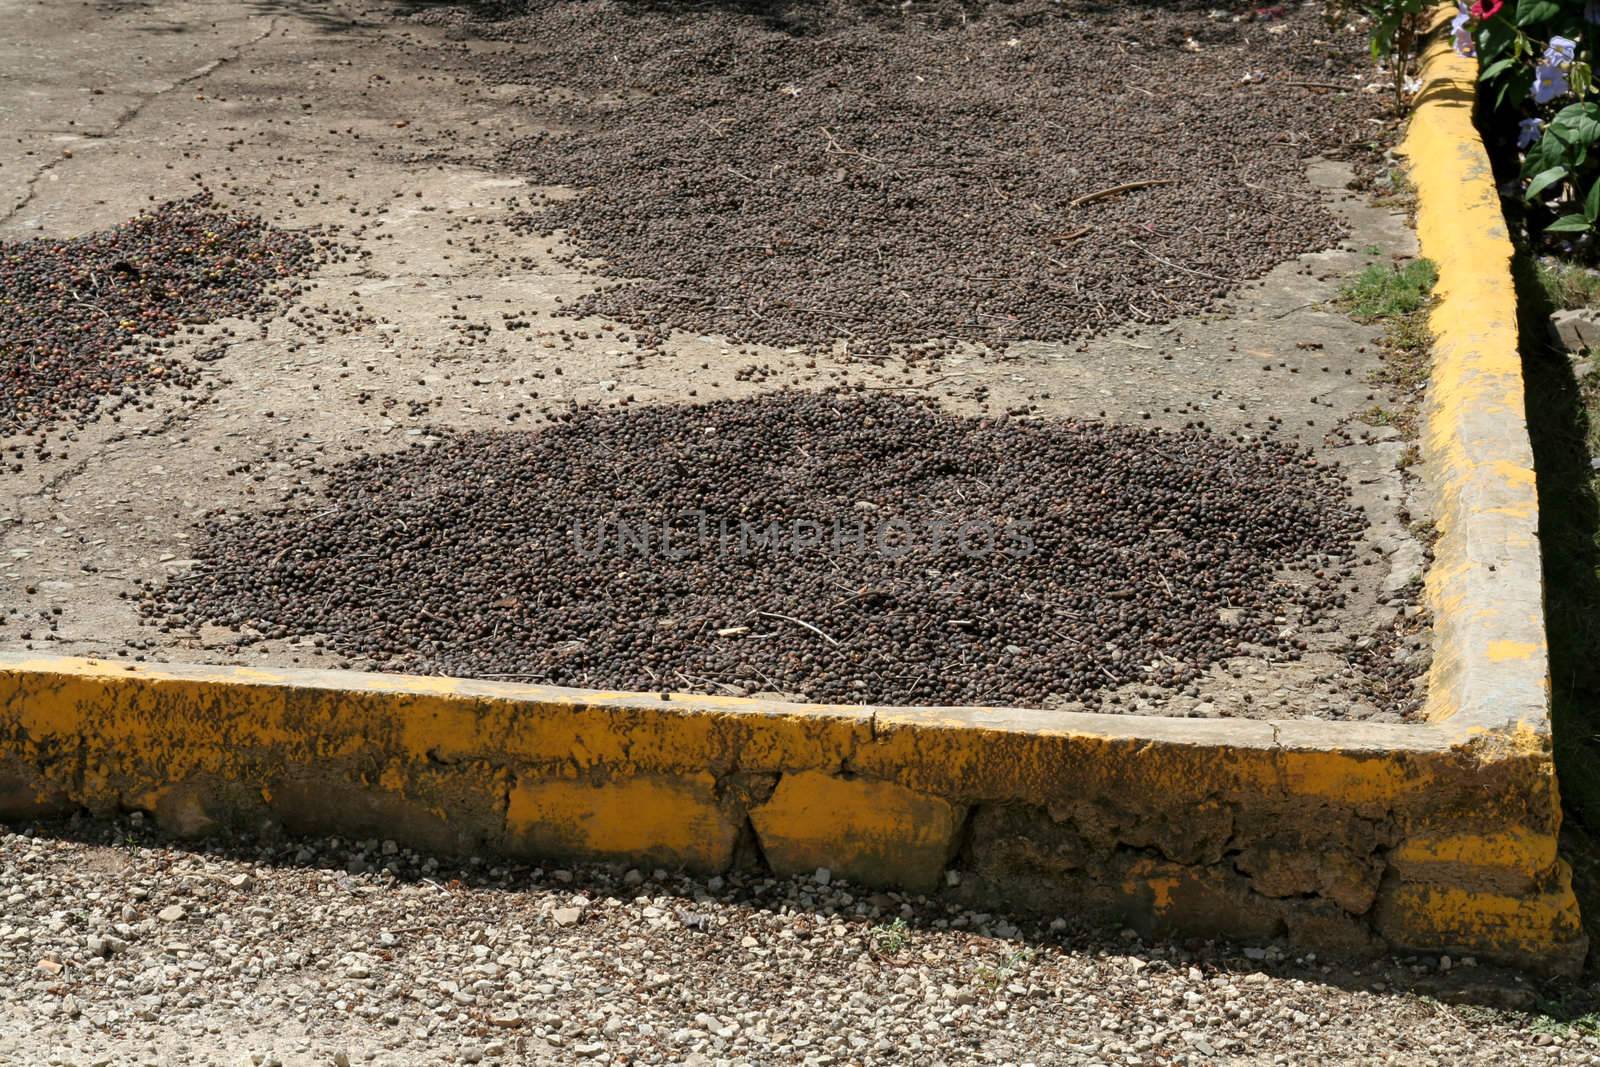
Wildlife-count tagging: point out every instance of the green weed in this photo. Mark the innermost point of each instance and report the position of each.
(1381, 292)
(992, 977)
(1394, 189)
(1567, 1014)
(1377, 415)
(892, 938)
(1398, 297)
(1567, 286)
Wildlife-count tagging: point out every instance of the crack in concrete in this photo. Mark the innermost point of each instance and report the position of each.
(31, 190)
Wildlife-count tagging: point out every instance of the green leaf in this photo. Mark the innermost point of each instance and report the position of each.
(1577, 124)
(1581, 77)
(1570, 224)
(1532, 11)
(1544, 180)
(1591, 203)
(1497, 68)
(1498, 37)
(1543, 154)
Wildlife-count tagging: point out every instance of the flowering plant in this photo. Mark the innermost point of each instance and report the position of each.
(1395, 30)
(1534, 60)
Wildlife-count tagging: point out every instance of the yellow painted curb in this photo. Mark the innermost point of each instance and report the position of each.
(1347, 837)
(1485, 588)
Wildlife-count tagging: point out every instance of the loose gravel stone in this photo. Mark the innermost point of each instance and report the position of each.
(91, 317)
(783, 972)
(840, 546)
(881, 173)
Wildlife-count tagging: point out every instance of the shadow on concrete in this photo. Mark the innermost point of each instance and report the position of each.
(1559, 424)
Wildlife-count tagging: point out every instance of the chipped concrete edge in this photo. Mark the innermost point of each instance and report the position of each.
(1345, 837)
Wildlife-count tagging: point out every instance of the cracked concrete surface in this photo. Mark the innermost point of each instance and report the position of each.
(85, 82)
(336, 114)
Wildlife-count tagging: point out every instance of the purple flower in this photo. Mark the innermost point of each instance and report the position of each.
(1528, 131)
(1463, 32)
(1561, 51)
(1549, 82)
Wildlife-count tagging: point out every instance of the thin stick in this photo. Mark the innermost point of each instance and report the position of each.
(1319, 85)
(1291, 311)
(1125, 187)
(842, 150)
(1072, 235)
(798, 622)
(1180, 266)
(919, 385)
(819, 311)
(691, 683)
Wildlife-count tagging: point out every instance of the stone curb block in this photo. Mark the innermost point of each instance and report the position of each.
(1346, 837)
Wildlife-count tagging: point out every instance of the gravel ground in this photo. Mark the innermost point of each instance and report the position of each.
(838, 546)
(121, 949)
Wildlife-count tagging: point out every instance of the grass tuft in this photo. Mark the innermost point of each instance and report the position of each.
(1399, 298)
(1567, 286)
(1381, 292)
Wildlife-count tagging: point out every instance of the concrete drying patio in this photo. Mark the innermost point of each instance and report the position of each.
(1437, 834)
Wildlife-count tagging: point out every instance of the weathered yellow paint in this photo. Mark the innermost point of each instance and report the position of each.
(1514, 850)
(1500, 651)
(1354, 779)
(1433, 917)
(209, 722)
(1475, 426)
(1161, 889)
(1514, 473)
(670, 821)
(871, 831)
